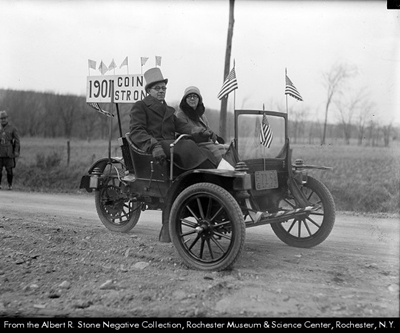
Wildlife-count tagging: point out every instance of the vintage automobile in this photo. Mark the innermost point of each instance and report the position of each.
(210, 209)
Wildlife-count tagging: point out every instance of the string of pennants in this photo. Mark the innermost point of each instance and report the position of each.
(103, 68)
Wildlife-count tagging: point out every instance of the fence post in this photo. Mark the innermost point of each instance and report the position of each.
(68, 151)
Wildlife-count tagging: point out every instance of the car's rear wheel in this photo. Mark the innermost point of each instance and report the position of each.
(116, 211)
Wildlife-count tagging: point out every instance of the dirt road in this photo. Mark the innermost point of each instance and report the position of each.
(56, 259)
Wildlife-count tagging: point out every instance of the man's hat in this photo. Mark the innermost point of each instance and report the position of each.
(153, 76)
(3, 114)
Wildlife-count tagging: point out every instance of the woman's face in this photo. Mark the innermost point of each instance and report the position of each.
(192, 100)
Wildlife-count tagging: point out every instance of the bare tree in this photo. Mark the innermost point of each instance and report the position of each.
(333, 81)
(67, 108)
(51, 118)
(89, 119)
(387, 130)
(373, 132)
(298, 123)
(361, 120)
(224, 101)
(24, 107)
(347, 108)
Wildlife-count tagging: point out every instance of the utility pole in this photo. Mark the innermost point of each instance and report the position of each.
(224, 101)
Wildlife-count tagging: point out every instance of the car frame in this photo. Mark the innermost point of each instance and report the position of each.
(209, 209)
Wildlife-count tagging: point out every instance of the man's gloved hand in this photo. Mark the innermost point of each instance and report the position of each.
(158, 154)
(209, 134)
(213, 137)
(220, 139)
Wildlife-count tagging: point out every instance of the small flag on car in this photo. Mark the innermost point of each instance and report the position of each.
(92, 64)
(124, 63)
(103, 68)
(97, 107)
(291, 89)
(266, 134)
(143, 60)
(229, 85)
(112, 65)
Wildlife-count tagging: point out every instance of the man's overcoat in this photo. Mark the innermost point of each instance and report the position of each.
(152, 122)
(9, 141)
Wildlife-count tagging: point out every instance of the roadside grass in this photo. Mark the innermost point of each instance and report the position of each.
(43, 165)
(363, 179)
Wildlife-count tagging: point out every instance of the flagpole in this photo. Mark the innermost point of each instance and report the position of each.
(234, 100)
(234, 92)
(263, 147)
(287, 110)
(110, 137)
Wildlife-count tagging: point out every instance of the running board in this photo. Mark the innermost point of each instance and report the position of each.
(259, 218)
(276, 219)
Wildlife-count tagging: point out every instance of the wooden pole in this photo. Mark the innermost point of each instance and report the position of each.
(119, 120)
(287, 110)
(110, 137)
(224, 101)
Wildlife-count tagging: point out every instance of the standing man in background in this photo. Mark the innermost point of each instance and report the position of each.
(9, 148)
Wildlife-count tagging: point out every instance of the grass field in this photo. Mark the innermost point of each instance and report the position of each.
(363, 179)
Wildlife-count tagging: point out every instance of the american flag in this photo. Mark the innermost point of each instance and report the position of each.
(97, 107)
(257, 130)
(265, 133)
(229, 85)
(291, 89)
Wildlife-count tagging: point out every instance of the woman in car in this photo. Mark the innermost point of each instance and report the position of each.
(192, 112)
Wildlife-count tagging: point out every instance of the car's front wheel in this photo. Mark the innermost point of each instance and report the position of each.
(206, 227)
(313, 228)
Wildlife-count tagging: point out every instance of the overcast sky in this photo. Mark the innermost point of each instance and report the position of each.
(45, 46)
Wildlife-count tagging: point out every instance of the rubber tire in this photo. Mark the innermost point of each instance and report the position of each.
(235, 214)
(126, 226)
(327, 222)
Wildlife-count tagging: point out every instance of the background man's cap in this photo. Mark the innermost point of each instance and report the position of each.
(153, 76)
(3, 114)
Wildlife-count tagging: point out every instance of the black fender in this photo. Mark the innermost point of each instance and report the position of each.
(100, 164)
(298, 177)
(228, 179)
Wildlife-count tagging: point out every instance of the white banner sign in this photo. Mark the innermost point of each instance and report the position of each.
(115, 89)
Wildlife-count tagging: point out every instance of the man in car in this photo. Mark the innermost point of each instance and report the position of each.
(153, 126)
